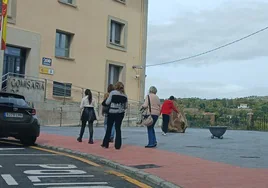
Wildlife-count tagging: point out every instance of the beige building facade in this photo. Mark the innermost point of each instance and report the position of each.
(78, 43)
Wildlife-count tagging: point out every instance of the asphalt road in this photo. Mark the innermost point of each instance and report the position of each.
(240, 148)
(28, 167)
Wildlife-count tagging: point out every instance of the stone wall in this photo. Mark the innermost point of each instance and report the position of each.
(55, 113)
(32, 90)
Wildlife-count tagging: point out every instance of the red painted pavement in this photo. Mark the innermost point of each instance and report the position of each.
(186, 171)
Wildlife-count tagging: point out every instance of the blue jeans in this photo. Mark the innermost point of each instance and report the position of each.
(105, 127)
(151, 132)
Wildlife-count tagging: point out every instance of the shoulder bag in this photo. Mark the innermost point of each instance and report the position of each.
(148, 120)
(105, 108)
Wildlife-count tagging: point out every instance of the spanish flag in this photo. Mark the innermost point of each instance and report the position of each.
(4, 24)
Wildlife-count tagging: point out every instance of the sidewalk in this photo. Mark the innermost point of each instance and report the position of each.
(185, 171)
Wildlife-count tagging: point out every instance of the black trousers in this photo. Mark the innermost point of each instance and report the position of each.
(90, 127)
(165, 123)
(117, 120)
(88, 115)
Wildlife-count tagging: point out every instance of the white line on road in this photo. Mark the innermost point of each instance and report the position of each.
(36, 179)
(27, 154)
(50, 166)
(3, 149)
(85, 187)
(85, 183)
(54, 172)
(9, 179)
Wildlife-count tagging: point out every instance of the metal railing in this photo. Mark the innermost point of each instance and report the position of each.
(58, 114)
(61, 102)
(235, 123)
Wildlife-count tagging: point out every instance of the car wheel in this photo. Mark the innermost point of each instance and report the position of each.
(28, 141)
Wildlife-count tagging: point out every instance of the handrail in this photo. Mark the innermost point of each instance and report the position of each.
(5, 75)
(5, 88)
(23, 75)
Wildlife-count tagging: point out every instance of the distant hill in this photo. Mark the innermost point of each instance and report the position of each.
(225, 107)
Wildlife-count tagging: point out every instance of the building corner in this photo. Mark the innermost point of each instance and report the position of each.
(144, 47)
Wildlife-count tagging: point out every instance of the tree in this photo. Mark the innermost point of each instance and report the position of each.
(202, 106)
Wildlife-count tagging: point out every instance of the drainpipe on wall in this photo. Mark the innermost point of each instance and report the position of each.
(144, 47)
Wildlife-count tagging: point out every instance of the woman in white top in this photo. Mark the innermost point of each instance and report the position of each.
(88, 115)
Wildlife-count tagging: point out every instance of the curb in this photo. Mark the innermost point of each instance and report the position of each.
(129, 170)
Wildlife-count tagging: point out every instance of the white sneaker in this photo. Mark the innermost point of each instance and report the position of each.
(164, 134)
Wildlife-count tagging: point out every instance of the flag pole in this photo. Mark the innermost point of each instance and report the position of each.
(1, 36)
(1, 26)
(1, 33)
(4, 23)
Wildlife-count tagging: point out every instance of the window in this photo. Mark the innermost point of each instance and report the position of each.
(9, 13)
(12, 100)
(12, 11)
(121, 1)
(115, 71)
(62, 89)
(114, 74)
(63, 43)
(67, 1)
(117, 34)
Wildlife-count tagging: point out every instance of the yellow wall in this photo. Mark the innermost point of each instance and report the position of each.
(88, 21)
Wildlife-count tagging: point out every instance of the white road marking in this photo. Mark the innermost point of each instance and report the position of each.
(85, 183)
(54, 172)
(36, 179)
(9, 179)
(26, 154)
(84, 187)
(50, 166)
(1, 166)
(4, 149)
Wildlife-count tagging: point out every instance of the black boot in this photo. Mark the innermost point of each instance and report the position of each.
(79, 139)
(91, 141)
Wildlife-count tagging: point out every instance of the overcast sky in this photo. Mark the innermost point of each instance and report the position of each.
(178, 29)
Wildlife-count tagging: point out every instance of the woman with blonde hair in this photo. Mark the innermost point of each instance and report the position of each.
(117, 102)
(153, 106)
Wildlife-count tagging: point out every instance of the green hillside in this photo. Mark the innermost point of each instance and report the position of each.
(226, 110)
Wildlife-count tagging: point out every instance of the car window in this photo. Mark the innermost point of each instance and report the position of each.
(10, 100)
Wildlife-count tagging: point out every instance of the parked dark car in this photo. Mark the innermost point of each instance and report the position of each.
(18, 119)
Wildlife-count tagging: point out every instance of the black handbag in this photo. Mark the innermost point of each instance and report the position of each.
(105, 107)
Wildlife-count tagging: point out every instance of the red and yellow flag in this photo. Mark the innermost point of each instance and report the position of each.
(4, 24)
